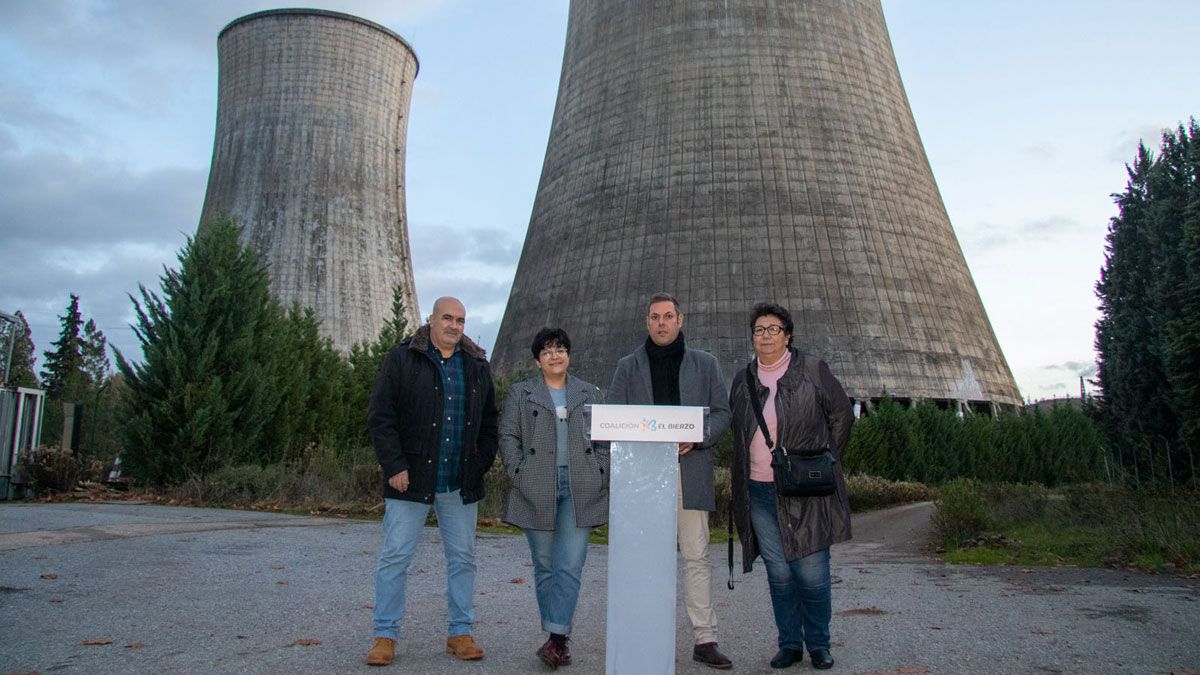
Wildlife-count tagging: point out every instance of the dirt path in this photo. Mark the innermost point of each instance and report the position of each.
(900, 533)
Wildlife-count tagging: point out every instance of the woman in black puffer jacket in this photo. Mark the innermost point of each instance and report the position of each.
(803, 406)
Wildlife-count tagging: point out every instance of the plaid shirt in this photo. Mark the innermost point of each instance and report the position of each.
(454, 398)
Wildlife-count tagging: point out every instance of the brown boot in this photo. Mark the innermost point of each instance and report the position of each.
(381, 652)
(708, 654)
(463, 647)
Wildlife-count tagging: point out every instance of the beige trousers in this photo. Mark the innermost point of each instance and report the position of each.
(697, 570)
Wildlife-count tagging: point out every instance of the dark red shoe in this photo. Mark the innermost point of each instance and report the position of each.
(564, 653)
(550, 655)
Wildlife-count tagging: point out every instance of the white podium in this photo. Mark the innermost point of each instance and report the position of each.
(643, 482)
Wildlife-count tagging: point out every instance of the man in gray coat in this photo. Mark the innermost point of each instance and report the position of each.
(663, 371)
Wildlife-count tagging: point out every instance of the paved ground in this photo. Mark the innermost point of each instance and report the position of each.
(202, 590)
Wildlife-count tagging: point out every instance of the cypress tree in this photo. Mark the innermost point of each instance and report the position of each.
(311, 379)
(1148, 335)
(204, 393)
(365, 361)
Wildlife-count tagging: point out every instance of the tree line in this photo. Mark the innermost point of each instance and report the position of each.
(1148, 334)
(928, 444)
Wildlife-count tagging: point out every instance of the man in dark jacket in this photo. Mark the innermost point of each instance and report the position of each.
(664, 371)
(433, 423)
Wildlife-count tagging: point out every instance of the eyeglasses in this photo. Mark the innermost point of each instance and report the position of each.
(773, 329)
(547, 353)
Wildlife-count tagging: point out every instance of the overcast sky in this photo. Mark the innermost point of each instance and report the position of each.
(1029, 111)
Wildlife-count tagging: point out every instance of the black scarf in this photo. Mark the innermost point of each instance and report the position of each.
(664, 369)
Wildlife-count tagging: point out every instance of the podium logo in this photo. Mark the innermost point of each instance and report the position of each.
(620, 425)
(650, 425)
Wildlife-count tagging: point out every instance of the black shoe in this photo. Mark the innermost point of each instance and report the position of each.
(787, 658)
(709, 655)
(821, 659)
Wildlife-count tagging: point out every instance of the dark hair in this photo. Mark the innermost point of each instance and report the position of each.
(663, 297)
(549, 337)
(771, 309)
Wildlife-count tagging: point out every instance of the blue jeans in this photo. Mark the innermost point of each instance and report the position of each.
(403, 522)
(558, 557)
(800, 589)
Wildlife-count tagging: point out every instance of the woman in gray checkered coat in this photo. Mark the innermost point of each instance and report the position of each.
(559, 482)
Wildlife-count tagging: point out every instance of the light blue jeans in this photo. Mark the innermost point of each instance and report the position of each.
(403, 522)
(558, 557)
(800, 589)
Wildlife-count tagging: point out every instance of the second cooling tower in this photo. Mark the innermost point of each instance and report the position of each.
(735, 152)
(308, 158)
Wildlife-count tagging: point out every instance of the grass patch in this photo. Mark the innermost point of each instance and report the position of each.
(1084, 526)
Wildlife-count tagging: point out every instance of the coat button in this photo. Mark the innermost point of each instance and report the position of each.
(535, 413)
(532, 451)
(588, 451)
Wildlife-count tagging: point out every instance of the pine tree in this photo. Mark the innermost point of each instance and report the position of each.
(63, 372)
(21, 368)
(204, 393)
(94, 350)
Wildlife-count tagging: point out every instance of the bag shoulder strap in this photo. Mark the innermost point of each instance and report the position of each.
(811, 369)
(752, 383)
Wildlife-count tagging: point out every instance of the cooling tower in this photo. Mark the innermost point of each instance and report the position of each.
(737, 151)
(312, 115)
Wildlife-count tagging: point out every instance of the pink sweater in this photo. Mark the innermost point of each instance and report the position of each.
(760, 455)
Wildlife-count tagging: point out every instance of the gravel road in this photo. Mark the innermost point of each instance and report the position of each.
(182, 590)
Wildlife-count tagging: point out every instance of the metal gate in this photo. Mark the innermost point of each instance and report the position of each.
(20, 430)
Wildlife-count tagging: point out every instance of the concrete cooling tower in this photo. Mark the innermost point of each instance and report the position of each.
(737, 151)
(312, 116)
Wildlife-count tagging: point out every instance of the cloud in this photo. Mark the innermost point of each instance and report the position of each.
(443, 244)
(992, 235)
(1040, 151)
(52, 200)
(120, 32)
(22, 111)
(1123, 147)
(91, 228)
(1083, 368)
(1056, 388)
(127, 65)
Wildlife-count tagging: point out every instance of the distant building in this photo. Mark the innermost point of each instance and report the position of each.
(1048, 404)
(737, 152)
(312, 118)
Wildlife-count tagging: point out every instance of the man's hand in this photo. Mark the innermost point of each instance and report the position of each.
(399, 482)
(685, 448)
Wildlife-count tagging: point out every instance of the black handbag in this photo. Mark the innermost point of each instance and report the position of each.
(798, 473)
